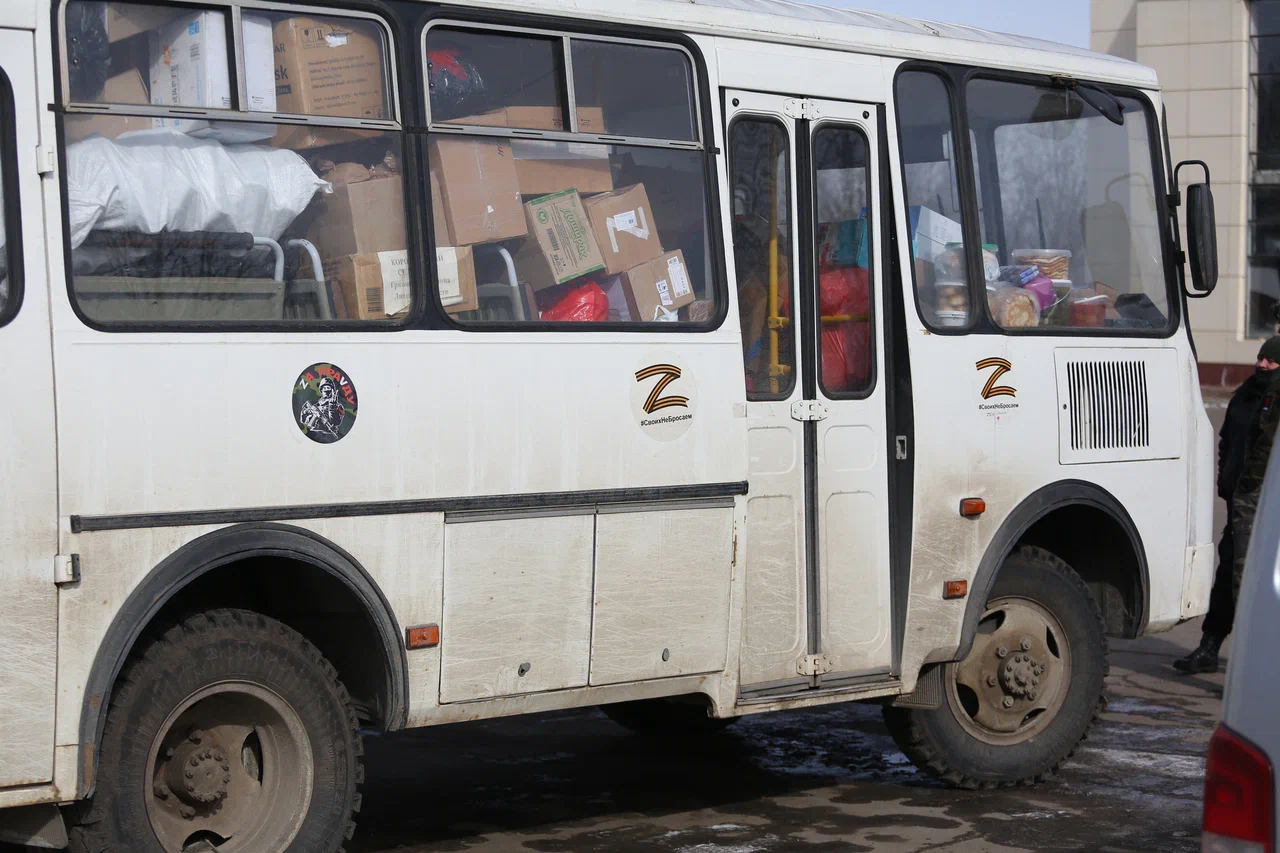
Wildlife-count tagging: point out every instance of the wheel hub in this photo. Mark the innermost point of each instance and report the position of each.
(198, 770)
(1013, 681)
(1020, 675)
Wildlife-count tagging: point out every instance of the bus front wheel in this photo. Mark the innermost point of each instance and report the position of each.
(1029, 690)
(228, 731)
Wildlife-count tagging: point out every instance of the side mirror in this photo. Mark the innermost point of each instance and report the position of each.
(1202, 233)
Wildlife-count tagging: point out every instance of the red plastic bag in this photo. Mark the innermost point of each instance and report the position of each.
(586, 303)
(846, 346)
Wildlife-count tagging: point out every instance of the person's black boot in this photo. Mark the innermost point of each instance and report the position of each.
(1203, 659)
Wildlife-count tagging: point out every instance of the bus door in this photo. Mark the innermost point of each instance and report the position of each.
(805, 180)
(28, 496)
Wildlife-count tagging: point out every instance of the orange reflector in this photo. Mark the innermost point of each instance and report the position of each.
(955, 589)
(422, 637)
(972, 507)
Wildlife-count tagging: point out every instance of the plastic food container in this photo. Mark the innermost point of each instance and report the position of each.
(1054, 263)
(951, 296)
(1086, 309)
(952, 318)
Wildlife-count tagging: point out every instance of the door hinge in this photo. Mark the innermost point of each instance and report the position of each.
(66, 569)
(900, 447)
(808, 410)
(800, 108)
(814, 665)
(46, 160)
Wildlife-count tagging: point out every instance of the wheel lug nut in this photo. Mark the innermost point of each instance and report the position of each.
(187, 812)
(1001, 651)
(991, 681)
(195, 735)
(168, 753)
(1032, 695)
(1008, 701)
(1026, 644)
(190, 774)
(161, 792)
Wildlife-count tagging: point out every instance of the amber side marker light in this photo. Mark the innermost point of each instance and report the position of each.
(422, 637)
(972, 507)
(955, 589)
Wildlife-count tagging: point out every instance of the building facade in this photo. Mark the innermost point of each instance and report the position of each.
(1219, 66)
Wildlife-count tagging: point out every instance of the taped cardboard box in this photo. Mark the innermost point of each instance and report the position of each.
(478, 189)
(439, 222)
(329, 68)
(374, 286)
(126, 88)
(548, 166)
(622, 222)
(360, 218)
(561, 246)
(658, 289)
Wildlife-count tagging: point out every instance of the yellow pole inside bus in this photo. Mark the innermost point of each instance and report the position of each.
(774, 371)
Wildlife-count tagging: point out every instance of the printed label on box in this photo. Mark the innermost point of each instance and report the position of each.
(395, 280)
(664, 293)
(679, 279)
(447, 274)
(625, 221)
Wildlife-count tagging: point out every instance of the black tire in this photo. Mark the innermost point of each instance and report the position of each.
(667, 717)
(204, 650)
(938, 743)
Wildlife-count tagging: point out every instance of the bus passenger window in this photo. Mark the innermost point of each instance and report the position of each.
(1076, 234)
(761, 178)
(843, 254)
(7, 239)
(540, 218)
(934, 206)
(217, 216)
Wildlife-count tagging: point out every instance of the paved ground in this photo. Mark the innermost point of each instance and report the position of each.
(822, 780)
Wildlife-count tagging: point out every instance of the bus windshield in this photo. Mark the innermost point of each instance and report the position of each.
(1068, 194)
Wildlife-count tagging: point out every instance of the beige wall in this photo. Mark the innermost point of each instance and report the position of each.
(1201, 51)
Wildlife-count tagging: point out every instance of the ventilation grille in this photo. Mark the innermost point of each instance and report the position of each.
(1108, 403)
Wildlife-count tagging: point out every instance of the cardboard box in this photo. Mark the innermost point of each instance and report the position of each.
(622, 222)
(325, 67)
(189, 69)
(479, 190)
(932, 232)
(658, 289)
(456, 278)
(126, 88)
(125, 20)
(546, 166)
(360, 218)
(374, 286)
(560, 247)
(439, 222)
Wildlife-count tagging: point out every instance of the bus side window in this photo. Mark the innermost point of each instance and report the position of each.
(207, 210)
(759, 164)
(925, 129)
(536, 211)
(844, 257)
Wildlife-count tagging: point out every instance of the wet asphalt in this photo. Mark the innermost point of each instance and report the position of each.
(817, 780)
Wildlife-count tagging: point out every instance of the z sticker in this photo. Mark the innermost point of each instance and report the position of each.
(324, 403)
(663, 397)
(991, 389)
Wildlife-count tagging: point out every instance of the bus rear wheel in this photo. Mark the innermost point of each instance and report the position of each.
(229, 732)
(1029, 690)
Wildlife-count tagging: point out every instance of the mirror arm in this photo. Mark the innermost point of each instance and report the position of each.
(1176, 169)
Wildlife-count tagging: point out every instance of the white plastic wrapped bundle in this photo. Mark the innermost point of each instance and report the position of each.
(161, 180)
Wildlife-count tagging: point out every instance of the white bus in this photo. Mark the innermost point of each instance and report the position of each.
(377, 365)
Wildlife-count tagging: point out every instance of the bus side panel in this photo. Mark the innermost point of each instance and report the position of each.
(28, 482)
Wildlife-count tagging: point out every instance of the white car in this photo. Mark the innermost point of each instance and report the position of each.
(1240, 795)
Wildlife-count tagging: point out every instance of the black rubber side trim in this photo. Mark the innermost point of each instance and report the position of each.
(90, 523)
(205, 554)
(1037, 505)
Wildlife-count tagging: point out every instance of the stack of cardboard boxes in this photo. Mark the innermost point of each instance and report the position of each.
(560, 197)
